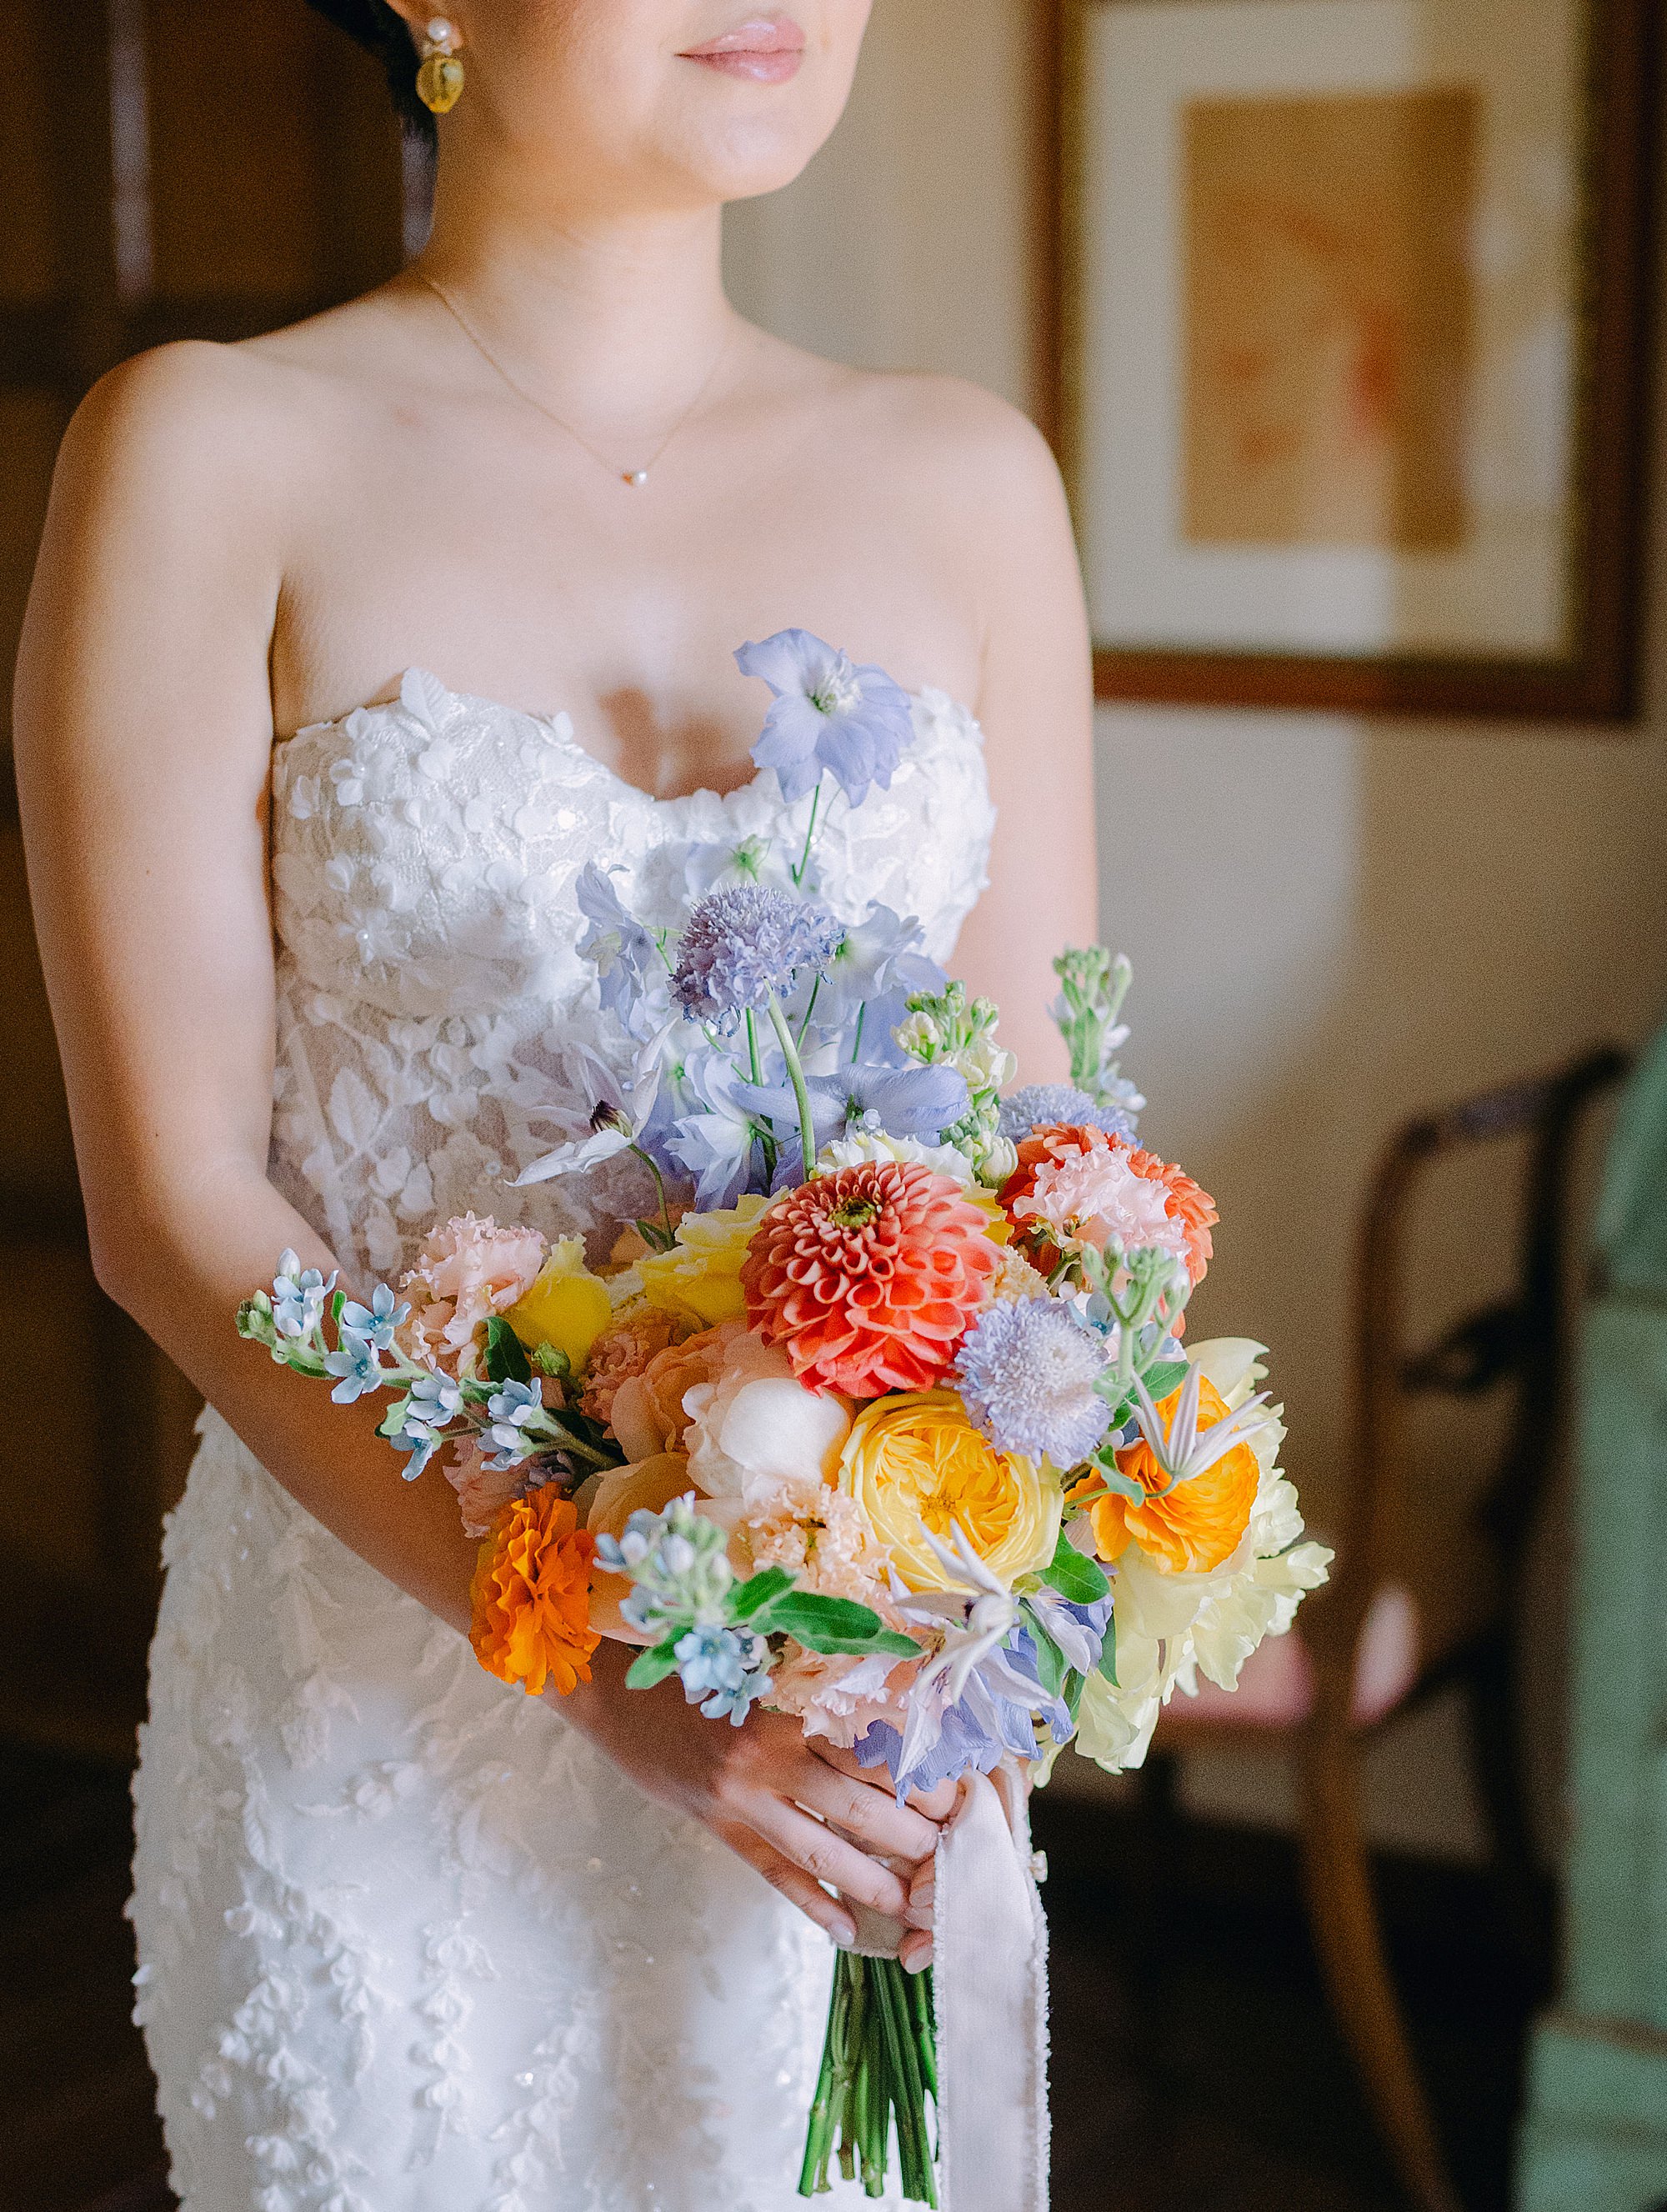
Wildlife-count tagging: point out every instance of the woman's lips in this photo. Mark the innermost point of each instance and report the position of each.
(768, 50)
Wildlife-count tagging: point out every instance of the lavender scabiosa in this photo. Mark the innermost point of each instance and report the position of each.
(744, 947)
(1054, 1105)
(1027, 1376)
(829, 715)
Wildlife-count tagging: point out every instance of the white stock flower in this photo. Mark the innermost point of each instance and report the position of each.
(1171, 1628)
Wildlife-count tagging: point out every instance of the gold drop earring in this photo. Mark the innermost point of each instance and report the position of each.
(440, 78)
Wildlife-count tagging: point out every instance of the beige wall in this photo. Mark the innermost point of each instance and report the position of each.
(1334, 923)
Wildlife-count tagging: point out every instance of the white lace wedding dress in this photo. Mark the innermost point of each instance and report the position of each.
(407, 1943)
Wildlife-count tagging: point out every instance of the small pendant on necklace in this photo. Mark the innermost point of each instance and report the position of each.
(637, 478)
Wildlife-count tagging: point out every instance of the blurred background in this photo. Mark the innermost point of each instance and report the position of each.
(1381, 960)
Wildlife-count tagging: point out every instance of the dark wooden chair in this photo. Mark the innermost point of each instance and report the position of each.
(1353, 1665)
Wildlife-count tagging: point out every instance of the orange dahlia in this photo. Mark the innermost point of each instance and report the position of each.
(870, 1277)
(1076, 1186)
(1192, 1528)
(531, 1596)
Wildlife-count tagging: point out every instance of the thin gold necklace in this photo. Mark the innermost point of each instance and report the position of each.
(637, 478)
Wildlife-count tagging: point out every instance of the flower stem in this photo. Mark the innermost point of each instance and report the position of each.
(653, 1166)
(801, 1096)
(810, 834)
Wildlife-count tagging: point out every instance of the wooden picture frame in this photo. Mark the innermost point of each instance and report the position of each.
(1589, 673)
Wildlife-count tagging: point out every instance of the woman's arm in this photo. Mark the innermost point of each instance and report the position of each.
(144, 741)
(1035, 704)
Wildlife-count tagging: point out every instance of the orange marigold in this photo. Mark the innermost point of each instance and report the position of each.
(870, 1277)
(1193, 1527)
(1072, 1181)
(531, 1596)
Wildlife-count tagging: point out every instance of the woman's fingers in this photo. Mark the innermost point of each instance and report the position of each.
(792, 1883)
(916, 1952)
(923, 1894)
(825, 1855)
(870, 1815)
(935, 1804)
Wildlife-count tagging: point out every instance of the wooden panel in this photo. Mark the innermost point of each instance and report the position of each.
(29, 268)
(169, 168)
(31, 425)
(246, 101)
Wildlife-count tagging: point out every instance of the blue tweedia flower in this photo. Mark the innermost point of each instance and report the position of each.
(431, 1403)
(377, 1322)
(1045, 1104)
(744, 946)
(1027, 1373)
(298, 1297)
(828, 715)
(724, 1666)
(359, 1365)
(511, 1407)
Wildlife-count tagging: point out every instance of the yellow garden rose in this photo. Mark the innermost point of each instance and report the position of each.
(699, 1281)
(566, 1306)
(914, 1462)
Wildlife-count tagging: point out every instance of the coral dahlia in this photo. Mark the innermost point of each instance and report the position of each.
(1075, 1186)
(870, 1277)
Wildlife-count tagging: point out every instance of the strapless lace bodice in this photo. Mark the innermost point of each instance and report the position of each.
(407, 1942)
(437, 1028)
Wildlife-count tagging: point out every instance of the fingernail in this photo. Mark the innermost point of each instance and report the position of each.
(843, 1933)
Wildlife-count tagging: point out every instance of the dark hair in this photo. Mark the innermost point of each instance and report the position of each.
(381, 32)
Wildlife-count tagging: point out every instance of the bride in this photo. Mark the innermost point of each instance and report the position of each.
(303, 825)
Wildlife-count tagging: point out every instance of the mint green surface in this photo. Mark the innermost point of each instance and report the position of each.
(1595, 2138)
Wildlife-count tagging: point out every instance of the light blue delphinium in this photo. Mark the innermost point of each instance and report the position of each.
(298, 1297)
(377, 1322)
(1028, 1373)
(629, 965)
(745, 947)
(511, 1407)
(902, 1101)
(879, 955)
(829, 715)
(358, 1364)
(716, 1141)
(1052, 1104)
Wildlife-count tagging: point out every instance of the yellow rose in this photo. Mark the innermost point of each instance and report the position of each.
(914, 1462)
(699, 1281)
(566, 1306)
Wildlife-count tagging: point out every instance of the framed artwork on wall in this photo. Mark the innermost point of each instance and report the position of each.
(1346, 343)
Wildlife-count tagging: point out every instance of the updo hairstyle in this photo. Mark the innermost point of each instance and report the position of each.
(383, 34)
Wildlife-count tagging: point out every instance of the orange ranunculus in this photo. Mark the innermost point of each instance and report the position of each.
(1195, 1526)
(1075, 1186)
(531, 1596)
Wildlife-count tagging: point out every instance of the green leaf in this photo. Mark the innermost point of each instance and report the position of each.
(336, 1305)
(1077, 1579)
(1071, 1692)
(1050, 1659)
(394, 1420)
(655, 1664)
(1108, 1666)
(832, 1626)
(747, 1598)
(506, 1358)
(1160, 1381)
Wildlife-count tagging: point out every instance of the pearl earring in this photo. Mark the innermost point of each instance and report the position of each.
(440, 79)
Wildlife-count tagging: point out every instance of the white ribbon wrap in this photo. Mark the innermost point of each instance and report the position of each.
(991, 1979)
(991, 1975)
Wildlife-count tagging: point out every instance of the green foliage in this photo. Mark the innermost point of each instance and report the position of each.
(506, 1356)
(831, 1626)
(1078, 1579)
(653, 1667)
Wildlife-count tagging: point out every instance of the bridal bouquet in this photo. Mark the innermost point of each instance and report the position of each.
(880, 1414)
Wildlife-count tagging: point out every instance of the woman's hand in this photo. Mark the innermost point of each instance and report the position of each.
(757, 1787)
